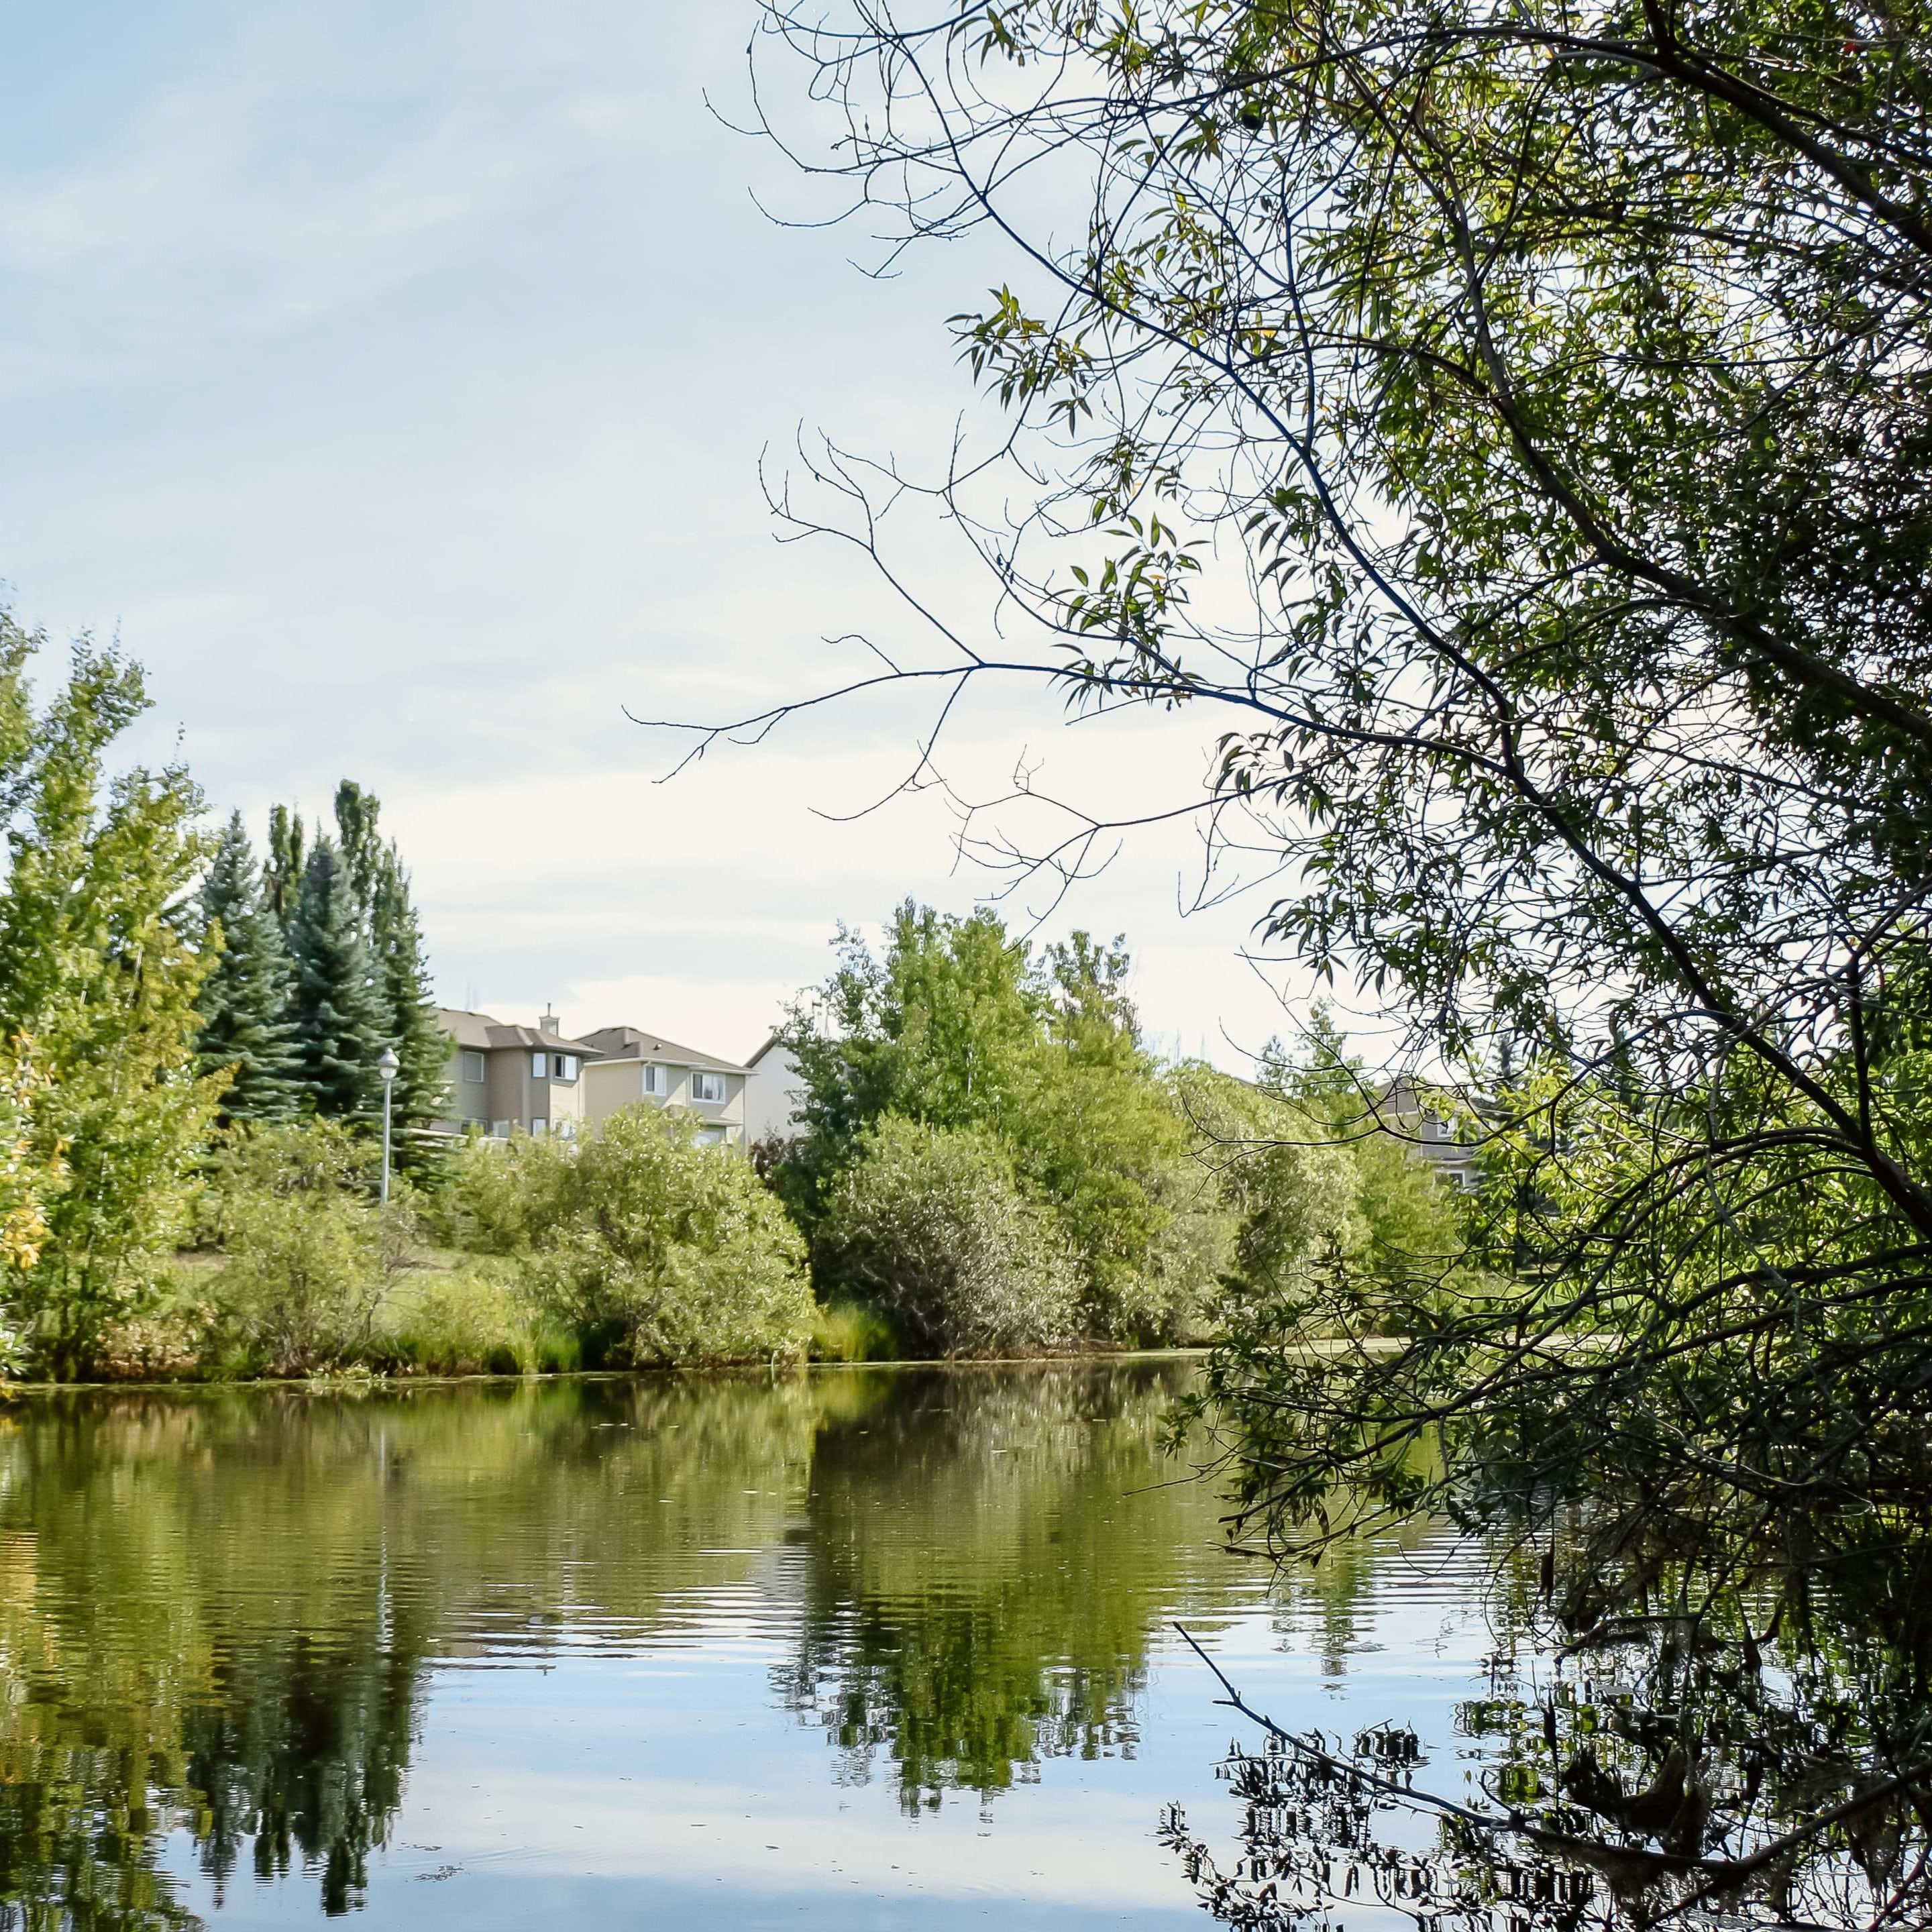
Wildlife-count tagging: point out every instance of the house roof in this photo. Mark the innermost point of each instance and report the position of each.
(624, 1042)
(485, 1031)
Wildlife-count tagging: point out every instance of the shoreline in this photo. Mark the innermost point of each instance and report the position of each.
(354, 1381)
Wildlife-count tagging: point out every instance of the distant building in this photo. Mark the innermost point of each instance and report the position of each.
(634, 1065)
(773, 1093)
(538, 1080)
(1403, 1111)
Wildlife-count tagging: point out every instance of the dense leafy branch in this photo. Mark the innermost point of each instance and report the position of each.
(1516, 416)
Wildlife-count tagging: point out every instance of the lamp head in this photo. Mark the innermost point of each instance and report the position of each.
(388, 1067)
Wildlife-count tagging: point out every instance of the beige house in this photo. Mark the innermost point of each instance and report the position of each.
(632, 1065)
(506, 1079)
(537, 1080)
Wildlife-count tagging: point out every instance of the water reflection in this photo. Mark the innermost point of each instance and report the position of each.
(979, 1594)
(272, 1655)
(1766, 1761)
(220, 1614)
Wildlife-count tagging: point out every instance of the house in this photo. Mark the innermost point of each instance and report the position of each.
(504, 1079)
(538, 1080)
(772, 1091)
(1411, 1111)
(632, 1065)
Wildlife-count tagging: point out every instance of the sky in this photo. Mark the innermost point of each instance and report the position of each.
(396, 384)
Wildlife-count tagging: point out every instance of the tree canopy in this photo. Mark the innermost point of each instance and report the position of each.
(1503, 429)
(957, 1023)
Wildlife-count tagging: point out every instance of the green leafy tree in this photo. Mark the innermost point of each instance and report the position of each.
(288, 857)
(339, 1018)
(358, 818)
(958, 1024)
(1503, 430)
(98, 972)
(647, 1246)
(1410, 1220)
(930, 1227)
(311, 1257)
(247, 1022)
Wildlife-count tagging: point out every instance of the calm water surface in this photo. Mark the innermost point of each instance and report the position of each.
(861, 1648)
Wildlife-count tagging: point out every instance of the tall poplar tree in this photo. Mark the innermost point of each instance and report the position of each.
(358, 813)
(339, 1024)
(247, 1023)
(281, 877)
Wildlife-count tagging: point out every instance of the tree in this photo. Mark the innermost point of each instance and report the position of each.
(357, 815)
(282, 877)
(958, 1024)
(1509, 424)
(649, 1247)
(247, 1028)
(408, 1010)
(96, 971)
(930, 1227)
(339, 1021)
(309, 1255)
(399, 1010)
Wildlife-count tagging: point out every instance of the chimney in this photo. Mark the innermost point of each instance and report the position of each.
(550, 1023)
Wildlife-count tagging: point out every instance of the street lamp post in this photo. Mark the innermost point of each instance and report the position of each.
(388, 1067)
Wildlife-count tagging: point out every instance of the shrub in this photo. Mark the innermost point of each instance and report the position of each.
(310, 1255)
(930, 1227)
(649, 1247)
(459, 1321)
(849, 1331)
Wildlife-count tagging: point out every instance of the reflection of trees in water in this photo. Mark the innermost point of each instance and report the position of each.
(195, 1652)
(299, 1758)
(218, 1612)
(980, 1593)
(1767, 1762)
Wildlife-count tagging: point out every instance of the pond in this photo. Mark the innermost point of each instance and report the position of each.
(858, 1648)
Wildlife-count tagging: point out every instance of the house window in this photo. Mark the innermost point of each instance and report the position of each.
(566, 1130)
(539, 1128)
(711, 1137)
(654, 1081)
(707, 1086)
(539, 1066)
(566, 1066)
(472, 1068)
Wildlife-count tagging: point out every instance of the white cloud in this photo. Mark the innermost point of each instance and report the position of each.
(396, 380)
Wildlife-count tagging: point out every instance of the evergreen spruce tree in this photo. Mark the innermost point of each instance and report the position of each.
(403, 979)
(339, 1020)
(247, 1021)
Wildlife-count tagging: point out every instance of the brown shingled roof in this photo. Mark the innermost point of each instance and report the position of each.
(624, 1042)
(485, 1031)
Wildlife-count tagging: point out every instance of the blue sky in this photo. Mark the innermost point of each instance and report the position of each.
(394, 381)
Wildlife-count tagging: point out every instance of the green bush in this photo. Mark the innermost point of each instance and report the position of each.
(646, 1245)
(930, 1227)
(310, 1255)
(457, 1322)
(849, 1331)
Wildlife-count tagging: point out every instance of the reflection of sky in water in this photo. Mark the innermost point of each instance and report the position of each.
(619, 1790)
(625, 1709)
